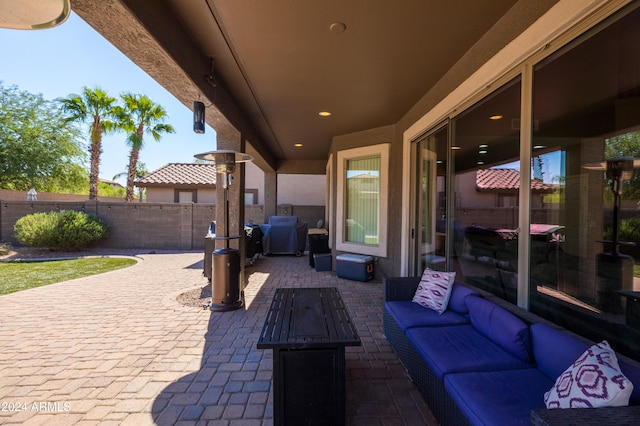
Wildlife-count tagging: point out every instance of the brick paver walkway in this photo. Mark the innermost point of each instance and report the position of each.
(117, 348)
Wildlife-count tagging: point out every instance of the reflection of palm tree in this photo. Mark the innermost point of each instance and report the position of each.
(96, 106)
(140, 115)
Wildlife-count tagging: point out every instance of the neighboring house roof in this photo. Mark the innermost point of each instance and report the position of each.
(181, 174)
(506, 180)
(113, 183)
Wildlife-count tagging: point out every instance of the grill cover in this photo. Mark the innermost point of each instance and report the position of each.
(284, 235)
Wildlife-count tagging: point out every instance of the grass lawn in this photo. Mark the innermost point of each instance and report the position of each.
(16, 276)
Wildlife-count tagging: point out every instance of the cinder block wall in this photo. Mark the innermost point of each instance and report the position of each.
(167, 226)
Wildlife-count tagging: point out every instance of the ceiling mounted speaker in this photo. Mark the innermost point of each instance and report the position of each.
(198, 117)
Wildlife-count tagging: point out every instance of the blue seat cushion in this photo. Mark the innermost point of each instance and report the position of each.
(498, 397)
(460, 348)
(408, 314)
(501, 327)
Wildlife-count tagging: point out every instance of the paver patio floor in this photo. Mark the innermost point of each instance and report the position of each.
(117, 348)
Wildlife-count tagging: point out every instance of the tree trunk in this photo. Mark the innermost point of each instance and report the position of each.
(131, 175)
(95, 151)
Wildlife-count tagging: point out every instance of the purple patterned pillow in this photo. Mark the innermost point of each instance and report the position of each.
(593, 380)
(434, 290)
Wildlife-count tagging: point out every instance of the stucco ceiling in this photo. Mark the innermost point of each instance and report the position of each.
(278, 63)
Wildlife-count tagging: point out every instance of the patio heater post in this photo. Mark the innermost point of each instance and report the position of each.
(614, 271)
(225, 280)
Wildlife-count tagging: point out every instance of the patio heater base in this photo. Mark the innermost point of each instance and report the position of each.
(225, 281)
(614, 274)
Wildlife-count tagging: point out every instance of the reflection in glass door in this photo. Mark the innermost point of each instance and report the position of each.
(428, 230)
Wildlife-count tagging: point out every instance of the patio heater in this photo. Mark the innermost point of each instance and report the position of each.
(614, 270)
(225, 280)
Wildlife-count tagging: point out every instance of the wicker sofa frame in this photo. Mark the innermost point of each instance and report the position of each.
(434, 393)
(431, 388)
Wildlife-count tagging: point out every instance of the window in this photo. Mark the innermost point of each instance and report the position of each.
(362, 185)
(586, 98)
(185, 196)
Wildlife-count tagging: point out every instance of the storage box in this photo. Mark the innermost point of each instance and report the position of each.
(322, 261)
(354, 267)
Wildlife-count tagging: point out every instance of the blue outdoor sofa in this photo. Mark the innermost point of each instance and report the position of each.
(479, 363)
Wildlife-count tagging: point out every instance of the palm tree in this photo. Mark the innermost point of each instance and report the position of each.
(141, 171)
(96, 107)
(140, 115)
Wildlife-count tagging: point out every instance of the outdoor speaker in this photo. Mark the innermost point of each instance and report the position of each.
(198, 117)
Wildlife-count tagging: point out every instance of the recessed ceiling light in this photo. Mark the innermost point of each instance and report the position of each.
(324, 113)
(482, 151)
(496, 117)
(539, 146)
(480, 163)
(297, 145)
(455, 148)
(337, 27)
(484, 145)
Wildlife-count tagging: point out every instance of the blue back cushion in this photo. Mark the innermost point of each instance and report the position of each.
(458, 295)
(501, 326)
(555, 350)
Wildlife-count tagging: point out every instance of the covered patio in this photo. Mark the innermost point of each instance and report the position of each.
(118, 348)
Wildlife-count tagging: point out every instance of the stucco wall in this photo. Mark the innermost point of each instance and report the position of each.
(307, 190)
(254, 179)
(167, 195)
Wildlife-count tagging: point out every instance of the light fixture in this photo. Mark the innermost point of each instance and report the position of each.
(482, 151)
(455, 148)
(337, 27)
(539, 146)
(198, 117)
(297, 145)
(484, 145)
(496, 117)
(324, 113)
(33, 14)
(225, 281)
(480, 163)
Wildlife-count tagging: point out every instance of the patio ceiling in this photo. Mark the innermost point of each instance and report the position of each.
(278, 63)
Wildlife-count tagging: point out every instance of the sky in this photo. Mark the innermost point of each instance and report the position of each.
(62, 60)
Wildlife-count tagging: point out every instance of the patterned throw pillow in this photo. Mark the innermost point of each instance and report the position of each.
(594, 380)
(434, 290)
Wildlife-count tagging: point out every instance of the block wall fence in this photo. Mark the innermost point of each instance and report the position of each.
(163, 226)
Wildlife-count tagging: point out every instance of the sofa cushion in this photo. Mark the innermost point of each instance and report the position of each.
(459, 294)
(500, 326)
(594, 380)
(434, 290)
(555, 350)
(460, 348)
(408, 314)
(498, 397)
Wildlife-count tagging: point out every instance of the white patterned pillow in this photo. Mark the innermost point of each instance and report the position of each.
(434, 290)
(594, 380)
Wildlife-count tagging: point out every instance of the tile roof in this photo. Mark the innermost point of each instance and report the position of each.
(506, 180)
(173, 174)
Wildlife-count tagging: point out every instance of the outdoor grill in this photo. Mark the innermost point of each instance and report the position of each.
(284, 235)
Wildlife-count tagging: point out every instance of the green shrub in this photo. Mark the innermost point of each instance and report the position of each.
(5, 248)
(66, 230)
(628, 230)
